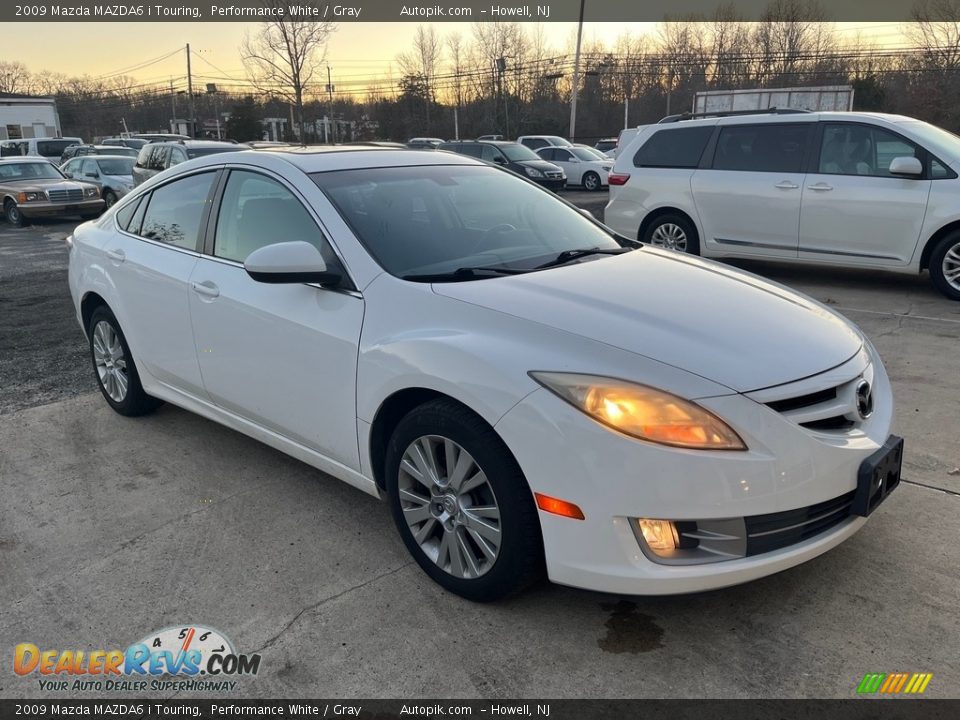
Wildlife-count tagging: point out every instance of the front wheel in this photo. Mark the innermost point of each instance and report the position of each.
(461, 503)
(13, 214)
(109, 198)
(591, 181)
(116, 371)
(945, 266)
(672, 232)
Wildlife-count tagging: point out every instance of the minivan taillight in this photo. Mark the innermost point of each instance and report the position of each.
(618, 178)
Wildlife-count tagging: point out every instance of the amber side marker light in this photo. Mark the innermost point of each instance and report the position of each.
(556, 506)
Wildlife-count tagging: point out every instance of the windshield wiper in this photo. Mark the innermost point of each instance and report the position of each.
(464, 273)
(568, 255)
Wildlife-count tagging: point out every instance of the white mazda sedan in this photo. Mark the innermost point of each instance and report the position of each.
(519, 383)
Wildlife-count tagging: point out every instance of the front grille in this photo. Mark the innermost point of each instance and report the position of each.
(71, 195)
(554, 175)
(831, 409)
(782, 529)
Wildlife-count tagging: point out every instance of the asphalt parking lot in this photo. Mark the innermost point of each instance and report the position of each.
(112, 527)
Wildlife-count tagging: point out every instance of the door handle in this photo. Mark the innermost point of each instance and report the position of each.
(786, 185)
(116, 255)
(206, 288)
(820, 187)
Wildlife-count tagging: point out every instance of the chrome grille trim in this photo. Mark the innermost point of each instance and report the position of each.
(68, 195)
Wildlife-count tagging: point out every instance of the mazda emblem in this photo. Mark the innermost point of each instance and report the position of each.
(864, 395)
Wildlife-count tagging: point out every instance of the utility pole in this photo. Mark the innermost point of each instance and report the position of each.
(173, 108)
(331, 126)
(626, 111)
(193, 129)
(576, 77)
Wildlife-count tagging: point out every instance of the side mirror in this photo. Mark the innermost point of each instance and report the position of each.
(910, 166)
(289, 262)
(93, 175)
(499, 160)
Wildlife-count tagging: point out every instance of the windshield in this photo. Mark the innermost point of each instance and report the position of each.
(940, 141)
(125, 151)
(15, 172)
(517, 152)
(584, 154)
(435, 219)
(117, 166)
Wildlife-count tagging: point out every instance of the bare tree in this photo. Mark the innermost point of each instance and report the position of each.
(936, 31)
(283, 56)
(14, 77)
(423, 61)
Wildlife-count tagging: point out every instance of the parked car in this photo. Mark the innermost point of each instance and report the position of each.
(113, 174)
(47, 148)
(377, 143)
(129, 142)
(581, 166)
(512, 156)
(518, 382)
(606, 145)
(80, 150)
(425, 143)
(535, 142)
(846, 189)
(593, 151)
(490, 137)
(625, 137)
(160, 137)
(32, 187)
(156, 157)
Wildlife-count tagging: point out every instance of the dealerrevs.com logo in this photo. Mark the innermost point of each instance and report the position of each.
(185, 657)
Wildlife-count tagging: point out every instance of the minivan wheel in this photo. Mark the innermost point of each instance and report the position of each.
(945, 266)
(13, 214)
(116, 371)
(461, 503)
(591, 181)
(672, 232)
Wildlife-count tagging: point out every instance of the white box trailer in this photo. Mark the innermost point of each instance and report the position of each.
(825, 97)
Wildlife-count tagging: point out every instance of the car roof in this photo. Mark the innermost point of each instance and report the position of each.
(482, 142)
(754, 118)
(320, 158)
(197, 143)
(25, 159)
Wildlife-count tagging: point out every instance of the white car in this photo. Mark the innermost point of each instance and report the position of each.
(834, 188)
(581, 166)
(535, 142)
(516, 381)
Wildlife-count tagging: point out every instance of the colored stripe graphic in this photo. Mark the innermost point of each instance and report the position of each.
(894, 683)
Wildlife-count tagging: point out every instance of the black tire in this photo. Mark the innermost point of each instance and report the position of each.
(109, 198)
(938, 259)
(519, 561)
(13, 214)
(692, 241)
(135, 402)
(591, 182)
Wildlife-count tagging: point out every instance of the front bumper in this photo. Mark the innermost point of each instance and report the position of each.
(551, 183)
(615, 479)
(49, 209)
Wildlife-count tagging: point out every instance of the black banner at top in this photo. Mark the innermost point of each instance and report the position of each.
(529, 11)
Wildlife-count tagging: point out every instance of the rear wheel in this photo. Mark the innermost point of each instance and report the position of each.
(945, 266)
(13, 214)
(672, 232)
(591, 181)
(461, 503)
(109, 198)
(116, 371)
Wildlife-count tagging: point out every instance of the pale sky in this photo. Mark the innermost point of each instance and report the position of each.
(357, 51)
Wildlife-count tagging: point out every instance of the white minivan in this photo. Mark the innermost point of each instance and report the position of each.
(46, 147)
(835, 188)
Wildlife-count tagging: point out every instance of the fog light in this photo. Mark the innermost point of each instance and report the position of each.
(659, 534)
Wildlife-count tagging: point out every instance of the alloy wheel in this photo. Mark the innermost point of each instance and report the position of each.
(669, 236)
(449, 506)
(111, 364)
(951, 266)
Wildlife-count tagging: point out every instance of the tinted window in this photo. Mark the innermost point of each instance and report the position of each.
(939, 171)
(674, 148)
(487, 152)
(125, 213)
(53, 148)
(257, 211)
(175, 211)
(546, 153)
(157, 157)
(471, 150)
(535, 143)
(177, 156)
(762, 148)
(849, 149)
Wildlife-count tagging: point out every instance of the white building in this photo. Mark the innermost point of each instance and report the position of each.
(25, 116)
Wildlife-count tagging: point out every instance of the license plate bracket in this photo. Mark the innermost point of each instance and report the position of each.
(878, 476)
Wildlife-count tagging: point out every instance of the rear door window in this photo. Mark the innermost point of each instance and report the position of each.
(674, 148)
(762, 148)
(176, 210)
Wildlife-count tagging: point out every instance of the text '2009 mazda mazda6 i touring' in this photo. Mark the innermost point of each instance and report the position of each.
(517, 381)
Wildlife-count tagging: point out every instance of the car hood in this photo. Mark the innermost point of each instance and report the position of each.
(44, 185)
(541, 165)
(722, 324)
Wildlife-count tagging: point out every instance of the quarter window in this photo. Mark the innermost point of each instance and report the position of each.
(850, 149)
(674, 148)
(762, 148)
(125, 214)
(175, 211)
(257, 211)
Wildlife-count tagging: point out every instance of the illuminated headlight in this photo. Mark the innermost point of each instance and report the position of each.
(91, 192)
(642, 412)
(31, 197)
(533, 172)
